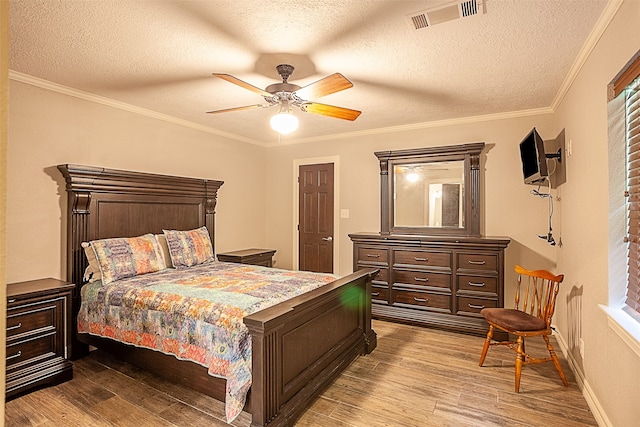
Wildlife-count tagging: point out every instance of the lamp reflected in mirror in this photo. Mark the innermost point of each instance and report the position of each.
(429, 194)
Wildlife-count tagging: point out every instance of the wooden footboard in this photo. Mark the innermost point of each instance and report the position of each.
(301, 345)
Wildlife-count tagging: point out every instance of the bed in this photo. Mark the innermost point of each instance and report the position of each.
(296, 348)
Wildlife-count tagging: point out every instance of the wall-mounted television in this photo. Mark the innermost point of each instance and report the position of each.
(534, 161)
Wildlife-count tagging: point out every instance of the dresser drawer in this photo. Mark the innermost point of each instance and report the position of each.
(478, 284)
(468, 305)
(383, 276)
(373, 255)
(38, 347)
(28, 318)
(422, 258)
(423, 300)
(380, 294)
(484, 262)
(422, 278)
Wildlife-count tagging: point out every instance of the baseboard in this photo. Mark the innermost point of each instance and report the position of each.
(583, 384)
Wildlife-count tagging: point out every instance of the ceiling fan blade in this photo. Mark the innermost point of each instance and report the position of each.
(330, 111)
(246, 107)
(242, 83)
(328, 85)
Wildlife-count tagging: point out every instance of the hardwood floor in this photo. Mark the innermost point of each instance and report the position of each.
(415, 377)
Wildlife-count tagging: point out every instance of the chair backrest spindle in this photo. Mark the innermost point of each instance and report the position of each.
(539, 293)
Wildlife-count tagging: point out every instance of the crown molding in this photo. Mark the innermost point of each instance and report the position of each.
(65, 90)
(607, 15)
(425, 125)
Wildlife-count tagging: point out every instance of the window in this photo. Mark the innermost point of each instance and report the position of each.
(627, 85)
(623, 110)
(632, 130)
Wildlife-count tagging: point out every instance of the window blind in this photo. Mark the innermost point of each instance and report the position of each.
(632, 110)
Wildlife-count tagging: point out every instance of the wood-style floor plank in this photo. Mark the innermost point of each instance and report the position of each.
(415, 377)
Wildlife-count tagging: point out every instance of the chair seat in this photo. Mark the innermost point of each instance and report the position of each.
(513, 320)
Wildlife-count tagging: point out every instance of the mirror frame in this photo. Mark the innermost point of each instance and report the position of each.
(468, 153)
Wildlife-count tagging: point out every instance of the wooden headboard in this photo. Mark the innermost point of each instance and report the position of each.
(104, 203)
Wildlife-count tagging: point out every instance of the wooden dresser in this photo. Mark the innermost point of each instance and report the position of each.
(38, 334)
(433, 281)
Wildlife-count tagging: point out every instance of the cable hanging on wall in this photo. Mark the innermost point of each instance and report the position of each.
(536, 192)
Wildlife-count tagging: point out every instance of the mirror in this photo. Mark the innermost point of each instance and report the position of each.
(429, 194)
(431, 191)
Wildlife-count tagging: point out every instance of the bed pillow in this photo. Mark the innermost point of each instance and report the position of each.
(92, 272)
(164, 246)
(189, 248)
(124, 257)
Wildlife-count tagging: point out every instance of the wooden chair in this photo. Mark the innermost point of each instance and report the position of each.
(534, 306)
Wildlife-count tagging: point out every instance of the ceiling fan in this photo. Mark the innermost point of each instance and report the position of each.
(285, 95)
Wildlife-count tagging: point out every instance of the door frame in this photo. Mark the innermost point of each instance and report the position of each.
(336, 207)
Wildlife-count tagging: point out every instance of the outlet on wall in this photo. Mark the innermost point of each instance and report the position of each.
(581, 347)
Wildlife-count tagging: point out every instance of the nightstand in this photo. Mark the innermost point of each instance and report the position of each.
(254, 256)
(38, 334)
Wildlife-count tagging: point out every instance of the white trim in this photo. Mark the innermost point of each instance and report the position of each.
(625, 326)
(65, 90)
(336, 207)
(603, 22)
(587, 392)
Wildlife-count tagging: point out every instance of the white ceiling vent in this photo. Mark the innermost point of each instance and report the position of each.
(445, 12)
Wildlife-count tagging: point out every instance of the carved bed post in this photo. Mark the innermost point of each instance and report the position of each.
(211, 199)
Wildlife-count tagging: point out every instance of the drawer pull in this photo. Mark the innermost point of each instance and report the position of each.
(477, 262)
(477, 307)
(421, 279)
(11, 300)
(18, 354)
(421, 299)
(375, 294)
(11, 328)
(373, 255)
(420, 259)
(477, 285)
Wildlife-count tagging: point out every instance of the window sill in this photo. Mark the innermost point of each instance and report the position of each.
(624, 325)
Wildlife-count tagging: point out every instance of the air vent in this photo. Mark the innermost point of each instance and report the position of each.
(444, 13)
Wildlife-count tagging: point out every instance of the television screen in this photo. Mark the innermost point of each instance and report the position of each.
(534, 162)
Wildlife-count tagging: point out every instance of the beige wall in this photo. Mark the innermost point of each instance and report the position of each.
(509, 208)
(47, 128)
(610, 368)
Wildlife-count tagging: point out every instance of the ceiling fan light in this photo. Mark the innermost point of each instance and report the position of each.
(284, 123)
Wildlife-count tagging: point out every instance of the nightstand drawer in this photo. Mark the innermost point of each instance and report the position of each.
(39, 347)
(33, 317)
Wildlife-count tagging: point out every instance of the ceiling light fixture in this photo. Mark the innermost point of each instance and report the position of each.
(284, 122)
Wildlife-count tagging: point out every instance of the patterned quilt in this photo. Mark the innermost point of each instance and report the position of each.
(194, 314)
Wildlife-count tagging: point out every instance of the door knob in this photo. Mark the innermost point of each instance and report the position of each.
(328, 239)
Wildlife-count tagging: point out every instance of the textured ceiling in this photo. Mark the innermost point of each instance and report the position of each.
(159, 56)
